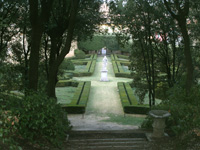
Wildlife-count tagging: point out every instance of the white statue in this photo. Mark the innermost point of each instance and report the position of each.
(105, 61)
(104, 70)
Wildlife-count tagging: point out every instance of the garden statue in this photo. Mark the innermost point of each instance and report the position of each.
(105, 60)
(104, 70)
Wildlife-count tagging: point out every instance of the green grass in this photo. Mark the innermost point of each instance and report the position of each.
(126, 69)
(80, 68)
(127, 120)
(122, 59)
(65, 94)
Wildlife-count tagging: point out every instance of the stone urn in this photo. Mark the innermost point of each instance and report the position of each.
(159, 122)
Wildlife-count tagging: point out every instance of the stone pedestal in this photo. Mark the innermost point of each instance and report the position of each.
(158, 128)
(159, 122)
(104, 75)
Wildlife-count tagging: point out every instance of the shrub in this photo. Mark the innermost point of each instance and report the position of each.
(79, 54)
(99, 41)
(8, 127)
(67, 64)
(184, 109)
(42, 120)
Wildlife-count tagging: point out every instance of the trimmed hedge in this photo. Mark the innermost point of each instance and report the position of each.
(79, 101)
(99, 41)
(117, 67)
(129, 103)
(117, 57)
(63, 83)
(79, 54)
(90, 66)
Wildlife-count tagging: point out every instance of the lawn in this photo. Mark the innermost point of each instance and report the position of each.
(80, 68)
(65, 94)
(128, 120)
(126, 69)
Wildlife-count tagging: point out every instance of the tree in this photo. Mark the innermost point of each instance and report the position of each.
(156, 55)
(39, 16)
(180, 12)
(55, 62)
(8, 18)
(72, 19)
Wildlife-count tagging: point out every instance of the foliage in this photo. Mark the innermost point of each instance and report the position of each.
(161, 90)
(10, 77)
(67, 64)
(99, 41)
(41, 119)
(184, 109)
(157, 49)
(8, 126)
(79, 54)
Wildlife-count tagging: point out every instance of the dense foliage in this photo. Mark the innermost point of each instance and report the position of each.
(35, 36)
(99, 41)
(41, 119)
(164, 56)
(79, 54)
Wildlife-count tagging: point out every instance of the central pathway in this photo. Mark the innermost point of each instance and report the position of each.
(103, 104)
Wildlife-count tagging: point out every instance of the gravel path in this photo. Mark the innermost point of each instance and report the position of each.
(103, 104)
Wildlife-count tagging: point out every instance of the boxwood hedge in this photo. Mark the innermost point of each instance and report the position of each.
(79, 100)
(129, 103)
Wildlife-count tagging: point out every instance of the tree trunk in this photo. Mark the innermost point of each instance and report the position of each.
(188, 56)
(34, 57)
(53, 69)
(38, 18)
(181, 16)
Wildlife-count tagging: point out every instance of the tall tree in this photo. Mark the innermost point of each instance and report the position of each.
(39, 16)
(179, 10)
(55, 62)
(84, 24)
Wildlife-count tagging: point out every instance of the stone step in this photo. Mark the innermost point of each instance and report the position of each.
(107, 134)
(109, 144)
(107, 140)
(111, 147)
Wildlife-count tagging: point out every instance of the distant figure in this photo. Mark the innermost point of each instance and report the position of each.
(103, 51)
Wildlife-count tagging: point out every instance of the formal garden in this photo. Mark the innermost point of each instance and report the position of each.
(135, 68)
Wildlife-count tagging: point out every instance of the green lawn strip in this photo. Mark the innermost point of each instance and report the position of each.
(80, 68)
(128, 120)
(129, 101)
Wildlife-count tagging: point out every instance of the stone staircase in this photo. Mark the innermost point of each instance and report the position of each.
(107, 140)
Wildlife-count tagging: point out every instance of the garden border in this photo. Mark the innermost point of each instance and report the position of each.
(90, 66)
(80, 98)
(117, 66)
(129, 103)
